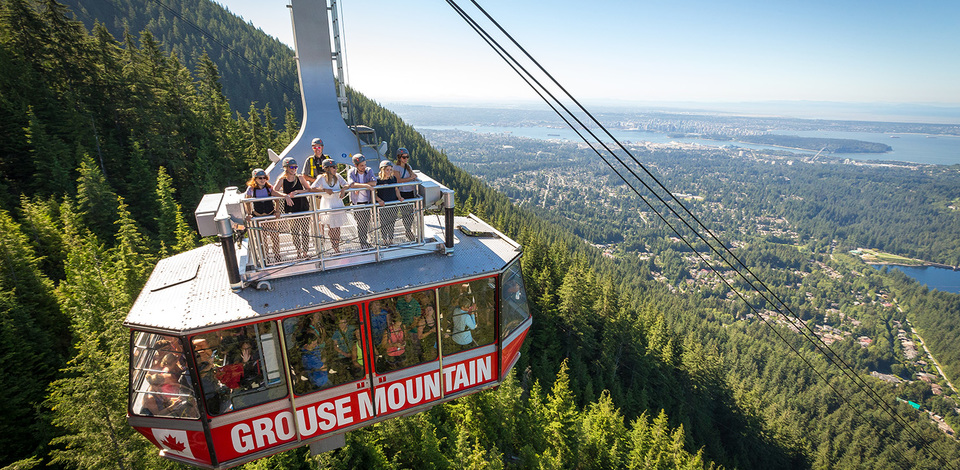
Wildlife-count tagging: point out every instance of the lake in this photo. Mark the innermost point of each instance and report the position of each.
(917, 148)
(942, 279)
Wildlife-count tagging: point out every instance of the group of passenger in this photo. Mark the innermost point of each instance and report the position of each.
(325, 348)
(168, 388)
(320, 175)
(321, 359)
(404, 330)
(227, 361)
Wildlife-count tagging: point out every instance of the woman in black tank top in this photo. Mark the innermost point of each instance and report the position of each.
(293, 184)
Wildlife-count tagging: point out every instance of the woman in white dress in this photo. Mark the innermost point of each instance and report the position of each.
(331, 187)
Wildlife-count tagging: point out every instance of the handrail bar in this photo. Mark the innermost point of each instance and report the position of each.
(288, 238)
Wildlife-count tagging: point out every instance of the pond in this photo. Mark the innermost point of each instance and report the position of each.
(942, 279)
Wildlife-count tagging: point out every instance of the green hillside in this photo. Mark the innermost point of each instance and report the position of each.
(253, 67)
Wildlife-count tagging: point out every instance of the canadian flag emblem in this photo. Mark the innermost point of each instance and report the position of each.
(174, 442)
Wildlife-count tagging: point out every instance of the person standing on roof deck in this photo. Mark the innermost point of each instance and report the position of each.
(404, 173)
(388, 216)
(331, 187)
(260, 187)
(312, 167)
(293, 185)
(362, 177)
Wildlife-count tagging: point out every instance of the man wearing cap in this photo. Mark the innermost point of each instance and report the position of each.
(361, 175)
(311, 168)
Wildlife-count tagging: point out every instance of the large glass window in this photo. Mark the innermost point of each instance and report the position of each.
(324, 348)
(239, 367)
(159, 378)
(467, 315)
(404, 330)
(513, 300)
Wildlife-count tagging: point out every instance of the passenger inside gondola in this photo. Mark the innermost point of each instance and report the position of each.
(216, 395)
(154, 402)
(467, 318)
(343, 339)
(310, 349)
(464, 322)
(378, 321)
(250, 358)
(313, 367)
(409, 309)
(427, 334)
(358, 351)
(167, 390)
(393, 346)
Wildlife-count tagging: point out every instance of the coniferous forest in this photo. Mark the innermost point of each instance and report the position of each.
(109, 138)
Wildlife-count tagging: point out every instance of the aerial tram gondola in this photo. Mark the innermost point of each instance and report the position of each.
(243, 350)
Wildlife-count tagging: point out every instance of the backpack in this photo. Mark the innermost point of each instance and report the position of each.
(263, 207)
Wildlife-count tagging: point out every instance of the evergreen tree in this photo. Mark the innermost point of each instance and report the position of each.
(40, 218)
(166, 218)
(96, 199)
(89, 404)
(563, 424)
(31, 352)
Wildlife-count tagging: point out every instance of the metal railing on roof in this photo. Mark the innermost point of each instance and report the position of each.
(337, 234)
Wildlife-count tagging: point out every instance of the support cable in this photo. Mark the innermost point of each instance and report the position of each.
(810, 335)
(831, 356)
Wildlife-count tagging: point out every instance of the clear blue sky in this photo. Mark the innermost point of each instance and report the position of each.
(638, 51)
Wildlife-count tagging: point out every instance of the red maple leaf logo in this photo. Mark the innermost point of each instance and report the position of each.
(172, 443)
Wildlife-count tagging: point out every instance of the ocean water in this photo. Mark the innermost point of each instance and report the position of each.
(916, 148)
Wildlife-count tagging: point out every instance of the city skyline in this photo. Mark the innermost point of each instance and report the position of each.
(613, 53)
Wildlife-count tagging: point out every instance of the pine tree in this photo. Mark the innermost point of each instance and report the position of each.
(41, 225)
(33, 344)
(131, 260)
(604, 436)
(96, 199)
(89, 404)
(563, 425)
(166, 218)
(50, 159)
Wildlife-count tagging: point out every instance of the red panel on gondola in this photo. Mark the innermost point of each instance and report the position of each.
(512, 350)
(191, 445)
(333, 414)
(468, 374)
(254, 434)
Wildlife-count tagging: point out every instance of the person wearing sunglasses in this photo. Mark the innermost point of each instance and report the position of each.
(331, 187)
(404, 174)
(260, 187)
(293, 184)
(361, 176)
(312, 167)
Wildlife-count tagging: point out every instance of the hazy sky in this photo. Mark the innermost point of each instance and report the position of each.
(608, 51)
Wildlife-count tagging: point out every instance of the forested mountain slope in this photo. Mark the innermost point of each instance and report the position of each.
(104, 141)
(253, 67)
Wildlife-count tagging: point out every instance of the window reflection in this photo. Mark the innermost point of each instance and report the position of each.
(160, 379)
(513, 301)
(468, 314)
(324, 348)
(404, 330)
(238, 367)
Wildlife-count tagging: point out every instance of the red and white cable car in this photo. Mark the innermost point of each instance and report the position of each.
(243, 350)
